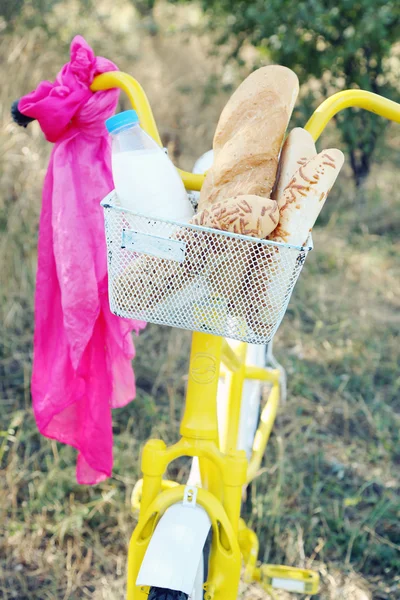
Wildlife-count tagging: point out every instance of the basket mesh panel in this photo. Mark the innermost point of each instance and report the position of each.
(228, 285)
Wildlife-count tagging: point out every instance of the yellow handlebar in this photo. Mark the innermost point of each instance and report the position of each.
(139, 101)
(315, 125)
(351, 98)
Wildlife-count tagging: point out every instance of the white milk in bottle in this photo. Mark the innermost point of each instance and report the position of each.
(145, 179)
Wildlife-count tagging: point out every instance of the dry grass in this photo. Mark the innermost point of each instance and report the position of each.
(328, 496)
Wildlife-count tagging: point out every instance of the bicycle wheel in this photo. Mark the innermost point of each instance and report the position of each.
(156, 593)
(198, 592)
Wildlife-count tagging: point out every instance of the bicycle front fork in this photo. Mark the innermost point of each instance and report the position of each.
(223, 477)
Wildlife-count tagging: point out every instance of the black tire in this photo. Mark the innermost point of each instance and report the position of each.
(206, 554)
(156, 593)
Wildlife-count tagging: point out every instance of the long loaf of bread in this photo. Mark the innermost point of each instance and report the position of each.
(247, 143)
(249, 136)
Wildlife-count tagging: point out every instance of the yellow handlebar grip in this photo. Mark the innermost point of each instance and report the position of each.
(136, 95)
(139, 101)
(351, 98)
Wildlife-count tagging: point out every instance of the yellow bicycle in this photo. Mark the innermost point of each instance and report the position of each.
(191, 540)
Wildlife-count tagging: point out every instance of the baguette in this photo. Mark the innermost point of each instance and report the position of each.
(249, 136)
(264, 94)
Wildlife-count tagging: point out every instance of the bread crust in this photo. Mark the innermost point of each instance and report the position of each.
(247, 215)
(299, 148)
(305, 195)
(249, 136)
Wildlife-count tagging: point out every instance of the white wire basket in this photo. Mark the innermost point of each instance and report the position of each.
(198, 278)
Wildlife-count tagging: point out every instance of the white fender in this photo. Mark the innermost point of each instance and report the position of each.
(204, 163)
(175, 551)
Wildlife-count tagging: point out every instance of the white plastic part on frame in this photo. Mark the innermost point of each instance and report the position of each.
(289, 585)
(251, 400)
(202, 164)
(250, 403)
(174, 555)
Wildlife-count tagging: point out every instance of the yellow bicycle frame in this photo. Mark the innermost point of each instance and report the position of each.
(224, 469)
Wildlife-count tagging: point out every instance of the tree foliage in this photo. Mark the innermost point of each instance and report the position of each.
(344, 44)
(32, 13)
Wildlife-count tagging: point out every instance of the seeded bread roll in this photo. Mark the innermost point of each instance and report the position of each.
(247, 215)
(249, 136)
(305, 195)
(298, 148)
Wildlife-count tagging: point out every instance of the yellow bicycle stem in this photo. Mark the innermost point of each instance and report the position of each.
(351, 99)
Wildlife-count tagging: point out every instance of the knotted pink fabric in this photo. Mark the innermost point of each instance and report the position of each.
(82, 353)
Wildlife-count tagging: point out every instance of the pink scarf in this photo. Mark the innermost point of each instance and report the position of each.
(82, 353)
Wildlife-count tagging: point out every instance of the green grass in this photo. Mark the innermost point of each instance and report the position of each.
(328, 493)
